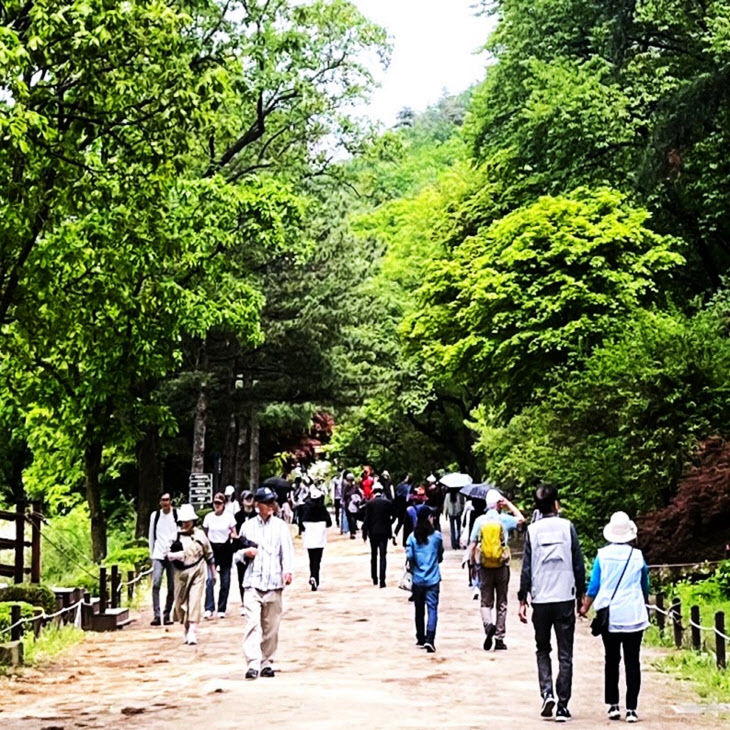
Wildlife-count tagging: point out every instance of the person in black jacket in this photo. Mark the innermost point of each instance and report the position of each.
(377, 525)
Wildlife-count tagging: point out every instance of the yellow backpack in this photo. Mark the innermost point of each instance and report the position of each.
(493, 549)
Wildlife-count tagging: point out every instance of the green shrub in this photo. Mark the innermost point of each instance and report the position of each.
(722, 577)
(130, 558)
(26, 611)
(31, 593)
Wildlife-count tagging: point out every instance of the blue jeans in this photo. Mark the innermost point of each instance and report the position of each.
(160, 568)
(225, 578)
(455, 523)
(426, 596)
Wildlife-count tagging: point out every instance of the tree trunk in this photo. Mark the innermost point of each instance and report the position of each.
(228, 467)
(201, 414)
(242, 456)
(149, 479)
(254, 466)
(92, 469)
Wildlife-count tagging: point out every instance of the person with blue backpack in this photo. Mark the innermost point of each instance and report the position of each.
(489, 548)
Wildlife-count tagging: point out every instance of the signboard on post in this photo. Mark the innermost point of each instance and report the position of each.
(201, 489)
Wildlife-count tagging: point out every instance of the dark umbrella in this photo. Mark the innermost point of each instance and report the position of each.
(277, 483)
(477, 491)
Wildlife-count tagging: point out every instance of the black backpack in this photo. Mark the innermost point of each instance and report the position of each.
(157, 519)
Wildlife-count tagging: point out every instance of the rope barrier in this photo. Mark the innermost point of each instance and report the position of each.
(43, 617)
(136, 579)
(670, 614)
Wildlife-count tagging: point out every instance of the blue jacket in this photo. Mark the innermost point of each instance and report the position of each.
(425, 559)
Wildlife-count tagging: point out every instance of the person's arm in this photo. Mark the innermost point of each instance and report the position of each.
(327, 518)
(287, 555)
(410, 554)
(525, 578)
(516, 512)
(151, 536)
(474, 540)
(593, 587)
(440, 547)
(645, 582)
(579, 568)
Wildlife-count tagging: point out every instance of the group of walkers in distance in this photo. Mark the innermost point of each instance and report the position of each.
(253, 532)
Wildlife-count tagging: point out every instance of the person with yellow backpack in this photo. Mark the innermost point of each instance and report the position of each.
(489, 551)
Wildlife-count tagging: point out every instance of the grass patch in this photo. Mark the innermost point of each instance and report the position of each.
(53, 640)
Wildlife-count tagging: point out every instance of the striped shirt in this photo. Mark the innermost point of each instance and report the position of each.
(275, 555)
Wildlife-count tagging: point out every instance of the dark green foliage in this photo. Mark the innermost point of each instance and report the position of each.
(27, 610)
(31, 593)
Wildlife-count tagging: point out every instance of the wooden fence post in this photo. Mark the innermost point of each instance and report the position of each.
(694, 613)
(720, 640)
(115, 586)
(19, 541)
(676, 611)
(35, 542)
(16, 631)
(660, 617)
(130, 585)
(102, 590)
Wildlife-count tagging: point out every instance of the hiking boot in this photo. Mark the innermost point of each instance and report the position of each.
(156, 621)
(562, 714)
(499, 645)
(614, 712)
(548, 705)
(491, 631)
(631, 716)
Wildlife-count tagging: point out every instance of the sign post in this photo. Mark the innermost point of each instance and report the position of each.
(201, 489)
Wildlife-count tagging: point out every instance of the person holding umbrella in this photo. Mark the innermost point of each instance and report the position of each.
(454, 503)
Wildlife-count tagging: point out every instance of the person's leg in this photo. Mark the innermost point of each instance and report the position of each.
(209, 595)
(542, 623)
(432, 603)
(374, 560)
(632, 665)
(240, 571)
(337, 512)
(252, 635)
(157, 571)
(270, 620)
(487, 584)
(225, 587)
(501, 586)
(419, 603)
(315, 560)
(612, 658)
(170, 597)
(454, 524)
(383, 549)
(564, 624)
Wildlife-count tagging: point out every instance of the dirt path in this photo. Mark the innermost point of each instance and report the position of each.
(346, 659)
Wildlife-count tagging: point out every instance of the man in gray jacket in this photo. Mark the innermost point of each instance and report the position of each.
(553, 574)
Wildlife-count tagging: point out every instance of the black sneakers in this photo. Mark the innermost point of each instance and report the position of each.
(267, 672)
(499, 645)
(562, 714)
(156, 621)
(614, 712)
(252, 674)
(548, 705)
(631, 716)
(429, 647)
(491, 631)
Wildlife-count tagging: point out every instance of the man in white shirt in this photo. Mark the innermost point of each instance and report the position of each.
(270, 569)
(163, 530)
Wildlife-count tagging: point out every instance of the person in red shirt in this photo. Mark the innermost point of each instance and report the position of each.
(366, 483)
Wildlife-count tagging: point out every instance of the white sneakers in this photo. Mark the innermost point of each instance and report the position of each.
(221, 615)
(191, 637)
(208, 615)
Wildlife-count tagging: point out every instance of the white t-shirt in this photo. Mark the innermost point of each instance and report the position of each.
(232, 507)
(219, 526)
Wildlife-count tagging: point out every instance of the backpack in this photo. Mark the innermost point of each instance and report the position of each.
(354, 504)
(493, 549)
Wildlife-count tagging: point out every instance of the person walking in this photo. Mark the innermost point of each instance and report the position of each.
(220, 527)
(387, 482)
(231, 505)
(336, 495)
(424, 552)
(353, 498)
(163, 530)
(553, 574)
(270, 570)
(192, 557)
(246, 512)
(453, 509)
(490, 553)
(620, 581)
(377, 527)
(400, 504)
(315, 520)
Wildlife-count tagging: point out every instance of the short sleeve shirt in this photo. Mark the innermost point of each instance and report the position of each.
(509, 522)
(219, 526)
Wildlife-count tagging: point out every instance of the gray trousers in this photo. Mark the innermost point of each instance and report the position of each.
(494, 583)
(561, 618)
(262, 610)
(160, 567)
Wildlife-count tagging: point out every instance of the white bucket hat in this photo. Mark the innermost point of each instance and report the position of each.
(494, 497)
(186, 513)
(620, 528)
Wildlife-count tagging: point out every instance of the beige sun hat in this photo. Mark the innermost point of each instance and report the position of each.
(186, 513)
(620, 528)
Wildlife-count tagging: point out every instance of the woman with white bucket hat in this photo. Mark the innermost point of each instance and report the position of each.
(191, 555)
(620, 581)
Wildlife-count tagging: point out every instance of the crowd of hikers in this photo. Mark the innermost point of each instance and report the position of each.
(254, 533)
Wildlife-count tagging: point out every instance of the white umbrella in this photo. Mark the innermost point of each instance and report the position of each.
(456, 480)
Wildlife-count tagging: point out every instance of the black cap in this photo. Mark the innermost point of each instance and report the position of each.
(264, 494)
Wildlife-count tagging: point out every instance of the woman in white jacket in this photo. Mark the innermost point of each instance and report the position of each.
(314, 519)
(620, 581)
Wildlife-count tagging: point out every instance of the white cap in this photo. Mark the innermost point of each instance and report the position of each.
(493, 498)
(186, 513)
(230, 489)
(431, 479)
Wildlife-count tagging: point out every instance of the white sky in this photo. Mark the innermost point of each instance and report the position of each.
(434, 44)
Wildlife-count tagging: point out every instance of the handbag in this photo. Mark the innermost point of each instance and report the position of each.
(406, 581)
(599, 625)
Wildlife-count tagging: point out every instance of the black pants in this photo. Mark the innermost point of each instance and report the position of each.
(240, 570)
(338, 504)
(315, 560)
(560, 617)
(378, 545)
(631, 642)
